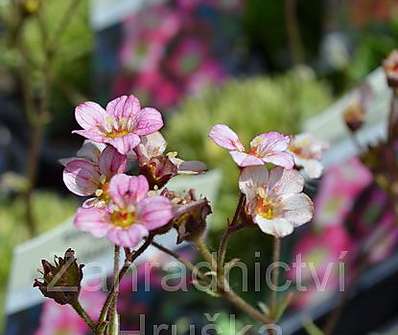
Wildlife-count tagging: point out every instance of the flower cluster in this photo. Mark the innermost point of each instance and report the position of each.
(126, 208)
(274, 194)
(121, 207)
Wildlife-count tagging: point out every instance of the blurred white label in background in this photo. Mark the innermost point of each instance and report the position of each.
(105, 13)
(97, 254)
(330, 126)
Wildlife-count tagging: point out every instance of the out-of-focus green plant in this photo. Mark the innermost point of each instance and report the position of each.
(374, 43)
(249, 107)
(49, 209)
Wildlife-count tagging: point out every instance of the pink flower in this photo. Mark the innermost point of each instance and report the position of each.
(307, 152)
(131, 214)
(265, 148)
(274, 199)
(121, 124)
(90, 172)
(154, 145)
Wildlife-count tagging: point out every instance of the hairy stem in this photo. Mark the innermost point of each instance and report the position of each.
(113, 315)
(130, 258)
(83, 314)
(226, 291)
(275, 275)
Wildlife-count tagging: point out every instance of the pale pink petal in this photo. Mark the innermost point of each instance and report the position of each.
(297, 208)
(127, 238)
(270, 142)
(89, 115)
(151, 145)
(243, 159)
(225, 137)
(93, 220)
(284, 159)
(111, 162)
(155, 212)
(92, 134)
(127, 107)
(284, 181)
(91, 150)
(312, 167)
(81, 177)
(128, 190)
(149, 121)
(251, 178)
(125, 144)
(192, 167)
(276, 227)
(93, 202)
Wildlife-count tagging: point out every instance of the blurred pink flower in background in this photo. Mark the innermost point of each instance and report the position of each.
(63, 320)
(339, 188)
(320, 252)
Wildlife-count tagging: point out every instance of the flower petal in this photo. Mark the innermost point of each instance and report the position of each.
(251, 178)
(297, 208)
(225, 137)
(282, 181)
(284, 159)
(81, 177)
(243, 159)
(312, 167)
(89, 115)
(151, 145)
(155, 212)
(91, 134)
(127, 238)
(149, 121)
(93, 220)
(276, 227)
(125, 144)
(191, 167)
(270, 142)
(124, 107)
(128, 190)
(91, 150)
(111, 162)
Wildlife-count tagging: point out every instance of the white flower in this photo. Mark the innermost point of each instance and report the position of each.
(307, 152)
(275, 200)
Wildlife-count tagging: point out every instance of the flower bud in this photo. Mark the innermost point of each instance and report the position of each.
(390, 66)
(61, 281)
(158, 171)
(354, 116)
(190, 215)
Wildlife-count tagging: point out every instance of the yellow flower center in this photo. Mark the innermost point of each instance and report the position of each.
(265, 206)
(102, 192)
(116, 128)
(123, 219)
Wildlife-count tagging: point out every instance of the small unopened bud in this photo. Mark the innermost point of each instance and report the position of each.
(62, 280)
(354, 116)
(190, 215)
(158, 171)
(390, 66)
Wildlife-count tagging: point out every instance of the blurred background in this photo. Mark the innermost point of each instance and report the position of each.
(255, 65)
